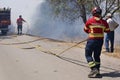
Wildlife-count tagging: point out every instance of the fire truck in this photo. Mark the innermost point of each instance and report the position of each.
(5, 20)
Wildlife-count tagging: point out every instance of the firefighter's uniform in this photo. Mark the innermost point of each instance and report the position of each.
(95, 27)
(19, 24)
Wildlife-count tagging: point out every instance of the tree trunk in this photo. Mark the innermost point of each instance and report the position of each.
(83, 13)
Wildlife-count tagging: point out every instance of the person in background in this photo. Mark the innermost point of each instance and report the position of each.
(95, 28)
(20, 21)
(109, 38)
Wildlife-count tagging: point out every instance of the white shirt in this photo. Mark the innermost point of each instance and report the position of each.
(112, 24)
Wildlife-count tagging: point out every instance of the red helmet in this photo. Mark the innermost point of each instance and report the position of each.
(96, 10)
(20, 16)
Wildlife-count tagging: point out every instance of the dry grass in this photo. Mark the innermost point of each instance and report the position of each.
(116, 52)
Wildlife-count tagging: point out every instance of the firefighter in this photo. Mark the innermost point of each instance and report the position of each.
(95, 27)
(20, 21)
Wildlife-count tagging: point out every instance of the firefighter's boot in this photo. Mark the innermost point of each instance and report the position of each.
(94, 73)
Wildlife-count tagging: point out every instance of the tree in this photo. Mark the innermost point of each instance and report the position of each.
(75, 9)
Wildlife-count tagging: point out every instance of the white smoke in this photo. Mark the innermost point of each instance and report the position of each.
(117, 31)
(47, 26)
(40, 20)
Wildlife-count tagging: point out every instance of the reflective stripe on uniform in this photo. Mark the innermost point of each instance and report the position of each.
(91, 64)
(97, 63)
(96, 31)
(93, 35)
(99, 26)
(107, 29)
(85, 28)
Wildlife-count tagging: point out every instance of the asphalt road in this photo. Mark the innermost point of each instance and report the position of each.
(34, 58)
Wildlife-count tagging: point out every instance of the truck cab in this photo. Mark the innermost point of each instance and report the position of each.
(5, 20)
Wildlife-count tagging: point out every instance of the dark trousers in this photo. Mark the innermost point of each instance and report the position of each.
(19, 28)
(109, 38)
(93, 52)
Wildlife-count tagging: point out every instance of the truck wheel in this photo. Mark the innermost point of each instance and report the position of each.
(4, 32)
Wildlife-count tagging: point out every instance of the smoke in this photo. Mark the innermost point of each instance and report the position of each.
(40, 20)
(46, 25)
(117, 31)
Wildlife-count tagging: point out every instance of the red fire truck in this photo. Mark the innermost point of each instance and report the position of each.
(5, 20)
